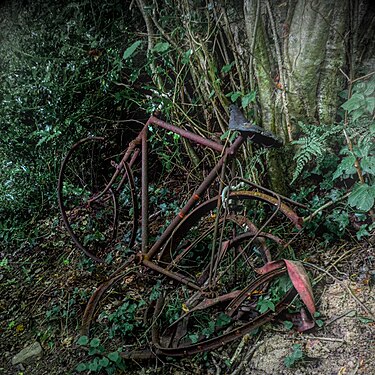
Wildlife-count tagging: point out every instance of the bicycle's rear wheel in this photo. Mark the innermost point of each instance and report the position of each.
(245, 240)
(97, 222)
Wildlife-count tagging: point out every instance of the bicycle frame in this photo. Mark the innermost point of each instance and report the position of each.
(203, 287)
(139, 145)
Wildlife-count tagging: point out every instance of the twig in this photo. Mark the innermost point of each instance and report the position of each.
(326, 205)
(316, 280)
(239, 349)
(356, 79)
(346, 76)
(346, 313)
(248, 356)
(308, 337)
(363, 77)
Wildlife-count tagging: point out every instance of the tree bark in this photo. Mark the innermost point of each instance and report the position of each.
(294, 53)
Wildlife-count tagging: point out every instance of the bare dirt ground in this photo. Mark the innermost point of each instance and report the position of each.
(45, 287)
(345, 344)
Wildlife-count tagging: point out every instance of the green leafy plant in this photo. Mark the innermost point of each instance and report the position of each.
(100, 360)
(125, 319)
(313, 145)
(55, 88)
(288, 324)
(277, 290)
(295, 357)
(4, 263)
(208, 328)
(341, 158)
(319, 322)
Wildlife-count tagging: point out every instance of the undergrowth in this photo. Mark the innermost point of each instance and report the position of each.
(337, 164)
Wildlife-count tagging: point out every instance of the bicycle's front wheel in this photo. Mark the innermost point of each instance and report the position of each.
(97, 219)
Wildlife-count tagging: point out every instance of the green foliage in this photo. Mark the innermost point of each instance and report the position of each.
(313, 146)
(130, 50)
(362, 197)
(319, 322)
(288, 324)
(61, 64)
(295, 356)
(277, 290)
(100, 359)
(4, 263)
(67, 308)
(167, 146)
(209, 327)
(70, 69)
(124, 320)
(343, 156)
(156, 291)
(265, 304)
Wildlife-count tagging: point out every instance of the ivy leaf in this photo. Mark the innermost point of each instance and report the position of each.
(368, 165)
(161, 47)
(227, 68)
(365, 320)
(114, 356)
(83, 340)
(93, 366)
(194, 338)
(130, 50)
(362, 232)
(355, 102)
(222, 320)
(295, 356)
(248, 98)
(81, 367)
(357, 113)
(288, 324)
(343, 94)
(345, 167)
(186, 56)
(362, 197)
(234, 96)
(104, 362)
(95, 342)
(264, 305)
(225, 135)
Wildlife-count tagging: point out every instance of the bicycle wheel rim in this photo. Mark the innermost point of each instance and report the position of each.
(96, 221)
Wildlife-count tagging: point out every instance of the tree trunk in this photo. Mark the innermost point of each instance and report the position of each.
(296, 54)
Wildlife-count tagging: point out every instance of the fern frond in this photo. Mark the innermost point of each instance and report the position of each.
(313, 145)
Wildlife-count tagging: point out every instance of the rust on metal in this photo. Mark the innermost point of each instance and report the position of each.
(203, 285)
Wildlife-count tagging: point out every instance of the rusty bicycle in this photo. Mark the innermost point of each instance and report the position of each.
(215, 255)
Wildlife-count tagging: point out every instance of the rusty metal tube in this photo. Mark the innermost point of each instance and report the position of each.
(230, 152)
(186, 134)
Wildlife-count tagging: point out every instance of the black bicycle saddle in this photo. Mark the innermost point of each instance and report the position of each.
(256, 134)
